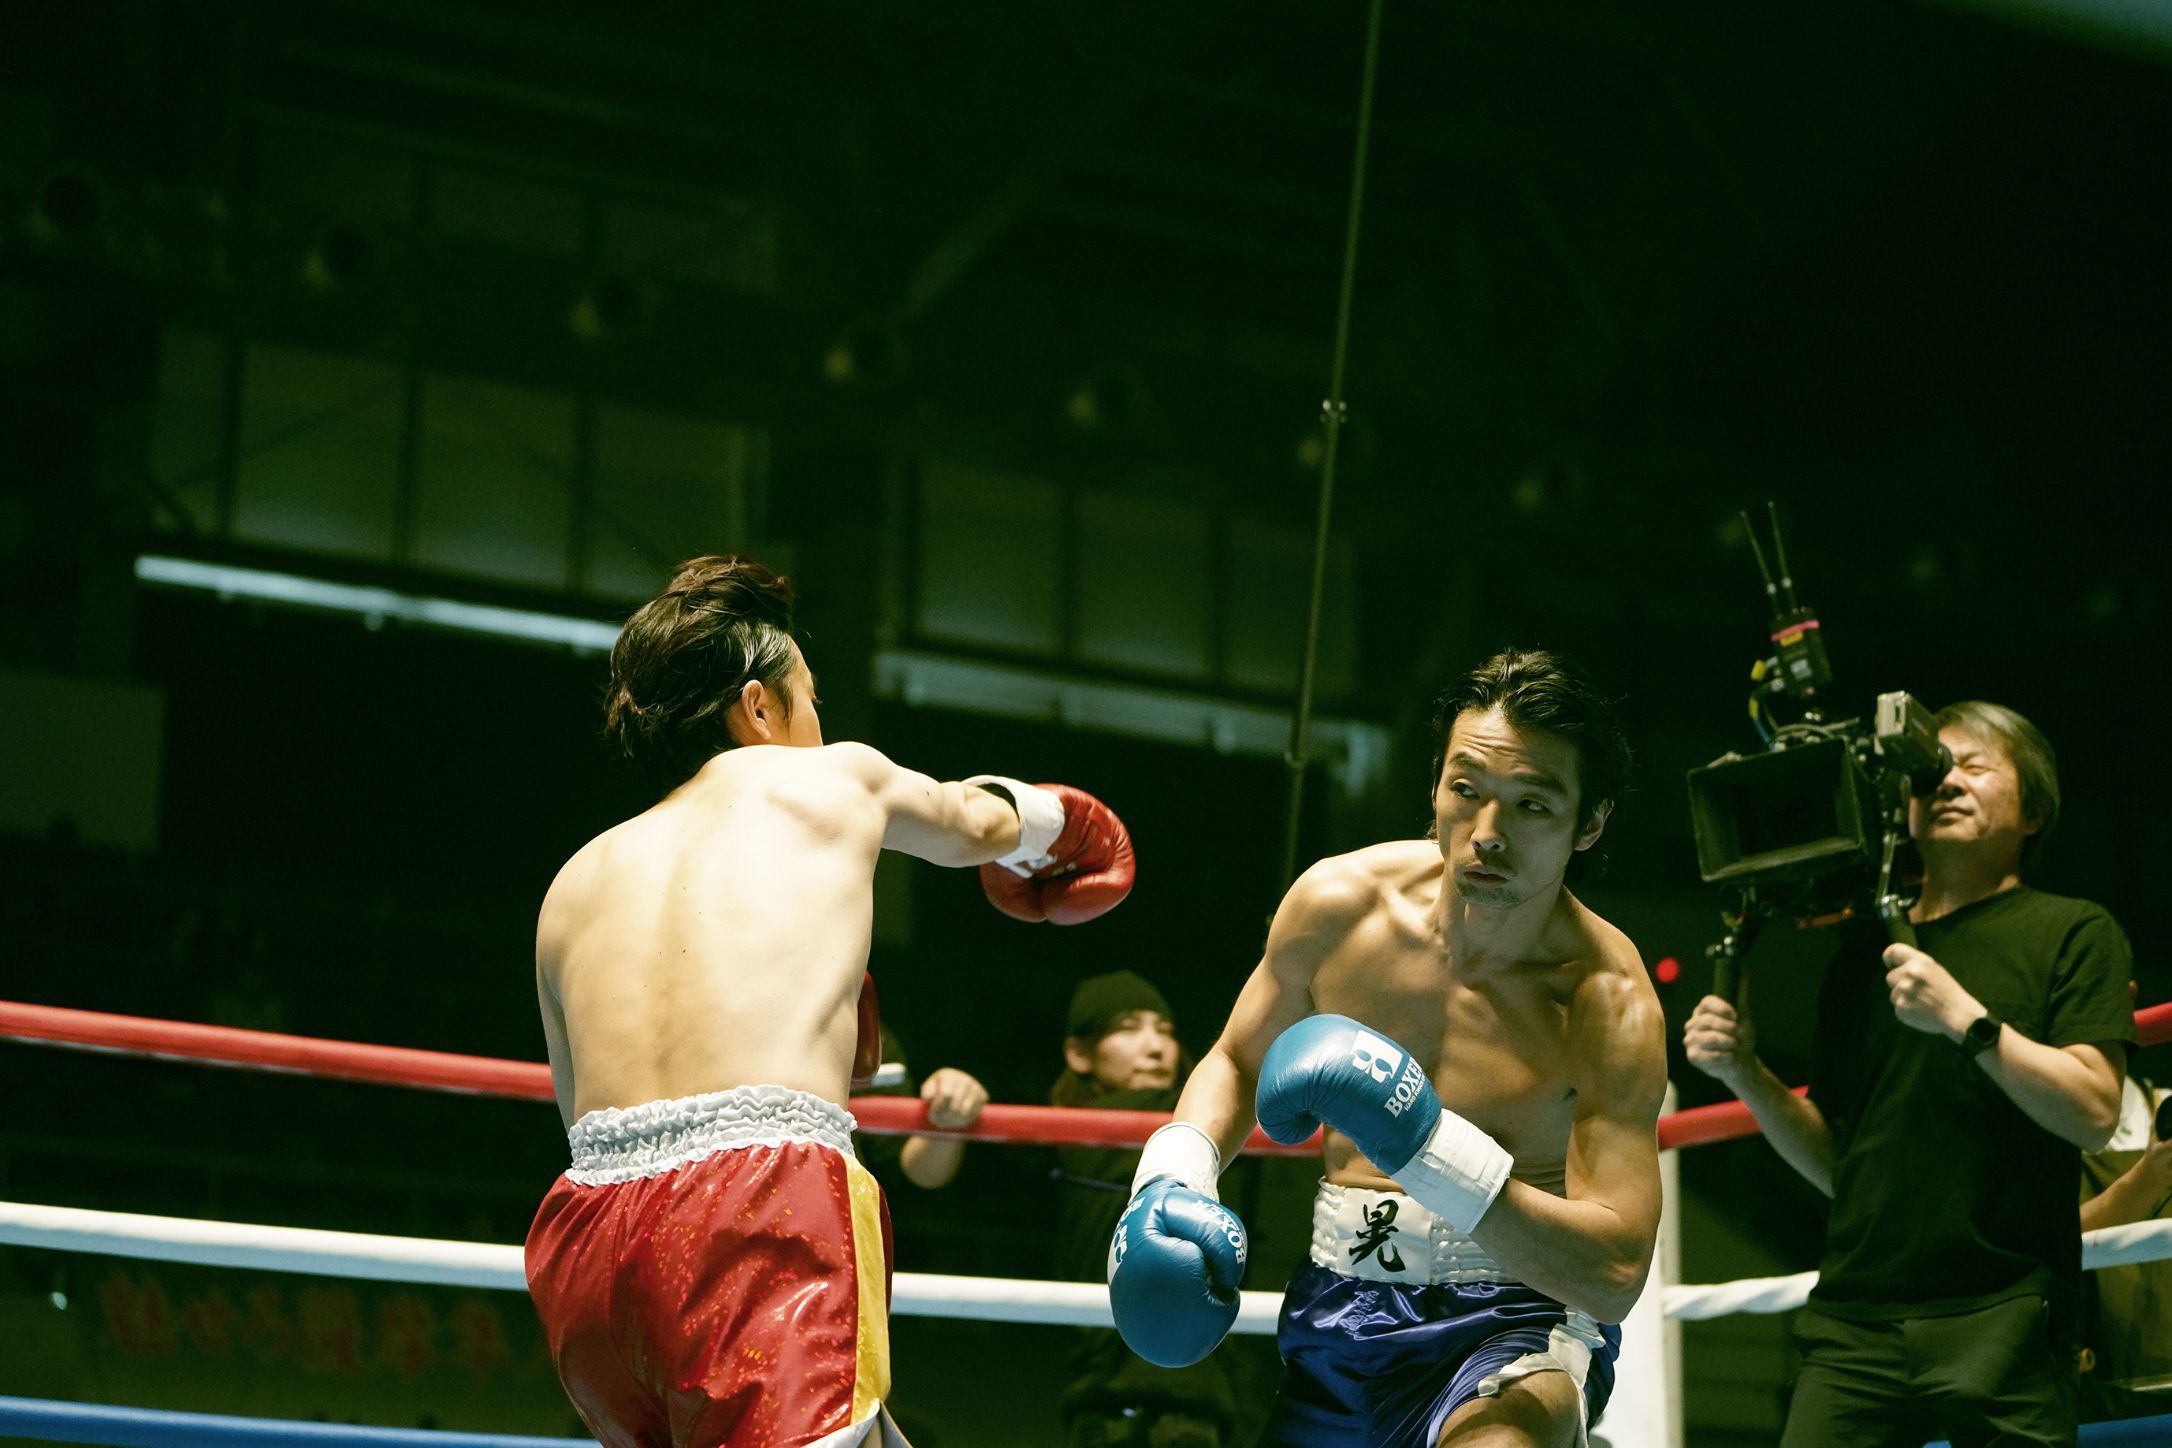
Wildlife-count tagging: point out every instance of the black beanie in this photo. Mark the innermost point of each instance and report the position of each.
(1103, 998)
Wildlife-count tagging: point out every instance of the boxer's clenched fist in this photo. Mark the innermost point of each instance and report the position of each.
(1332, 1070)
(1719, 1040)
(1086, 870)
(1174, 1267)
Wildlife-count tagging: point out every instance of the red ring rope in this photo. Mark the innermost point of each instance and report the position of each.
(270, 1051)
(531, 1080)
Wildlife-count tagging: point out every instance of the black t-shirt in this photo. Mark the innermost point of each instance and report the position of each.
(1946, 1197)
(1094, 1187)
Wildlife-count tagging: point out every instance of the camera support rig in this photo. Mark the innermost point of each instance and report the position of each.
(1794, 831)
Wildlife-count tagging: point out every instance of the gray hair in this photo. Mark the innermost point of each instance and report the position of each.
(2035, 762)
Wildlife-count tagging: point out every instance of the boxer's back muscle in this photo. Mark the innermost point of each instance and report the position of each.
(718, 939)
(1493, 1040)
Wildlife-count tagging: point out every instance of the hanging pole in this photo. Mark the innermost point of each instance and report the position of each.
(1334, 414)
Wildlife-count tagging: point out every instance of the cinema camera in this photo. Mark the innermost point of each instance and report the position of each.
(1811, 828)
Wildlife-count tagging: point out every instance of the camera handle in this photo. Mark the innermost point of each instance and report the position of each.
(1728, 953)
(1892, 905)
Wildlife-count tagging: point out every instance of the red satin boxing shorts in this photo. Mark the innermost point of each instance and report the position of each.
(715, 1270)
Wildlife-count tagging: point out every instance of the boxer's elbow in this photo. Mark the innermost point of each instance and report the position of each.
(1615, 1288)
(1612, 1283)
(1610, 1294)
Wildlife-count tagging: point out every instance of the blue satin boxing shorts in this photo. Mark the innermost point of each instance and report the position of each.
(1381, 1363)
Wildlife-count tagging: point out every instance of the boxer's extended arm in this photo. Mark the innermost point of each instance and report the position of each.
(944, 823)
(1317, 912)
(1593, 1248)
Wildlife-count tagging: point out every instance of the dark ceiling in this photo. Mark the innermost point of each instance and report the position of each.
(1621, 273)
(1662, 256)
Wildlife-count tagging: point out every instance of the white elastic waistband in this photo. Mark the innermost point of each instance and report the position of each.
(622, 1143)
(1388, 1237)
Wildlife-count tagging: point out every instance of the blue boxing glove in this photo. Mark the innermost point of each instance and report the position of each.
(1330, 1069)
(1177, 1257)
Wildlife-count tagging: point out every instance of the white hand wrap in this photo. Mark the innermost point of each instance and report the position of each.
(1457, 1173)
(1181, 1152)
(1040, 820)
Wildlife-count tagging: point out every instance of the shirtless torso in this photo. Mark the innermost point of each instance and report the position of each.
(719, 939)
(1498, 1039)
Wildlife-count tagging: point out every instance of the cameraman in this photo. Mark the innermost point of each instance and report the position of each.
(1953, 1086)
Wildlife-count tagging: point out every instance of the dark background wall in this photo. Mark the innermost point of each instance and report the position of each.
(1005, 331)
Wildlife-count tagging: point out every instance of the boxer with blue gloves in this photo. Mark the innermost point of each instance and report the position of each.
(1487, 1057)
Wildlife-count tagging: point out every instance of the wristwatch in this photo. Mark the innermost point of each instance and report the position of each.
(1982, 1034)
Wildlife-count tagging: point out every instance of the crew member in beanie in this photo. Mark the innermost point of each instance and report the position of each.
(1121, 1053)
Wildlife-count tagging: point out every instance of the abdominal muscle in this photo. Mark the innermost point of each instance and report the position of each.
(717, 941)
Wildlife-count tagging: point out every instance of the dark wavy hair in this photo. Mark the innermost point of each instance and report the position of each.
(685, 656)
(1537, 689)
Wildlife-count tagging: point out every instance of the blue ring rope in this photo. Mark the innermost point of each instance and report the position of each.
(102, 1424)
(158, 1428)
(2116, 1433)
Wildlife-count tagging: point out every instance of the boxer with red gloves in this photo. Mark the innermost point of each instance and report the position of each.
(1486, 1056)
(714, 1267)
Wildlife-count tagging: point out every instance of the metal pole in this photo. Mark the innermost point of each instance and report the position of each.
(1299, 755)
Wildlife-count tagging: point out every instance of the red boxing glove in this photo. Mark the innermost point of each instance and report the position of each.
(867, 1045)
(1086, 872)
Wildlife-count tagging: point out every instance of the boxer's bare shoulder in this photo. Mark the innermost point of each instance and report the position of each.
(1384, 885)
(756, 794)
(1615, 1023)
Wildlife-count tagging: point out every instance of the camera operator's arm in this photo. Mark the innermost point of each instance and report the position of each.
(2070, 1091)
(1722, 1043)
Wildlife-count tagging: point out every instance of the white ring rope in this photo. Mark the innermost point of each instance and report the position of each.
(916, 1294)
(485, 1264)
(2106, 1247)
(1694, 1302)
